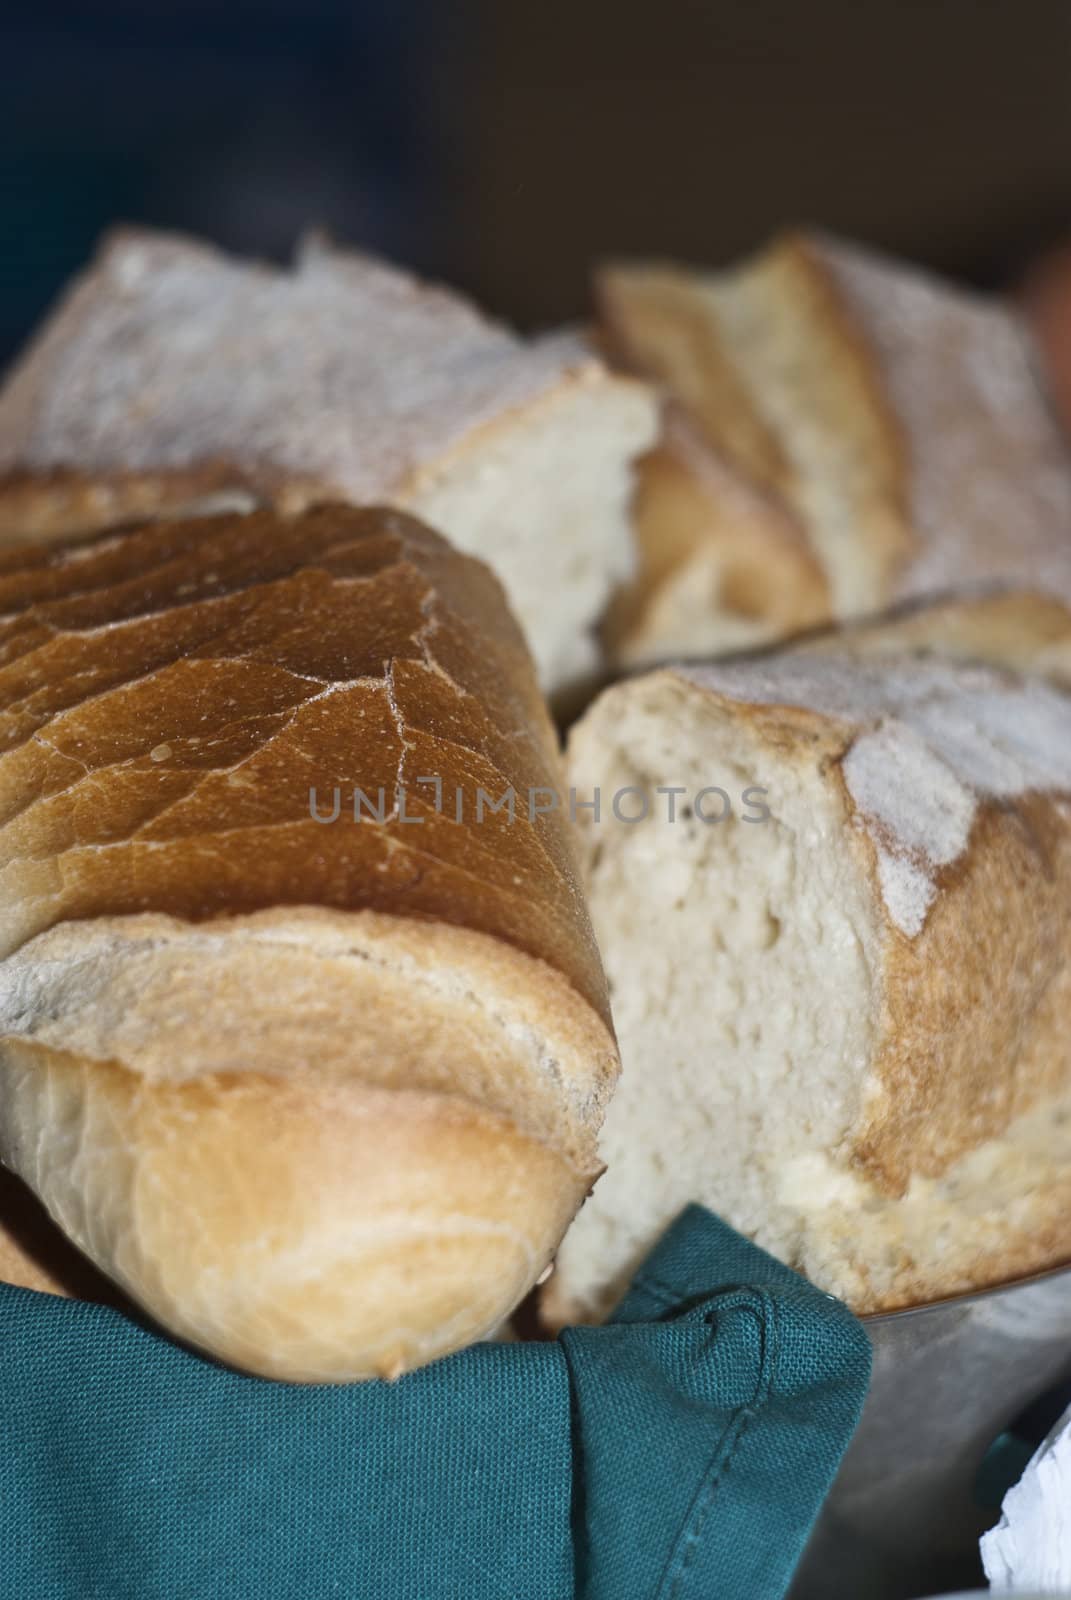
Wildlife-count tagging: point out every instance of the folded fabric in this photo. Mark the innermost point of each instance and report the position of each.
(678, 1453)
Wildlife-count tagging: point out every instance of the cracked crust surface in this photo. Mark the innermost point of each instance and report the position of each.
(234, 1035)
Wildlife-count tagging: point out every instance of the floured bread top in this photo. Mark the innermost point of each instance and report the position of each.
(341, 370)
(929, 741)
(989, 474)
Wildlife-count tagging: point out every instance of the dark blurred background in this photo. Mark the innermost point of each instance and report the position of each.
(504, 144)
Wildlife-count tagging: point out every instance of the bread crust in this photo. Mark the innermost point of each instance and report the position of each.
(161, 305)
(1020, 630)
(898, 1128)
(172, 380)
(716, 529)
(659, 322)
(853, 401)
(201, 978)
(911, 441)
(63, 503)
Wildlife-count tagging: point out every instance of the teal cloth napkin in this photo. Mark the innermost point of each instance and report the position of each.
(678, 1453)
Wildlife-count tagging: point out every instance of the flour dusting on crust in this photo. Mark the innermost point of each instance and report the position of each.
(989, 475)
(342, 370)
(929, 741)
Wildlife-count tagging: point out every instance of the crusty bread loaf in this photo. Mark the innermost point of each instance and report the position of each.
(887, 434)
(170, 376)
(320, 1094)
(842, 1008)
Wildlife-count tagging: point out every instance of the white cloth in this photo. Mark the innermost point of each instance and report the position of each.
(1030, 1547)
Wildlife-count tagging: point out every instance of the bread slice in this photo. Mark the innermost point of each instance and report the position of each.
(302, 1042)
(722, 566)
(170, 376)
(893, 427)
(840, 984)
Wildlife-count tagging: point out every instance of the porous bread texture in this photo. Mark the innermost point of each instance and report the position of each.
(892, 428)
(546, 501)
(320, 1096)
(170, 373)
(842, 1028)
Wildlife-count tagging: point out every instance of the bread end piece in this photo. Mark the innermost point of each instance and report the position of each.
(364, 1170)
(319, 1091)
(840, 1009)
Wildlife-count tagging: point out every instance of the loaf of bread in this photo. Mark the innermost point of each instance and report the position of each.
(843, 434)
(321, 1094)
(172, 380)
(840, 977)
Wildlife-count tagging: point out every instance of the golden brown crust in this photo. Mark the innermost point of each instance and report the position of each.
(997, 1215)
(974, 1005)
(220, 670)
(973, 1024)
(301, 1230)
(443, 1010)
(203, 978)
(63, 503)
